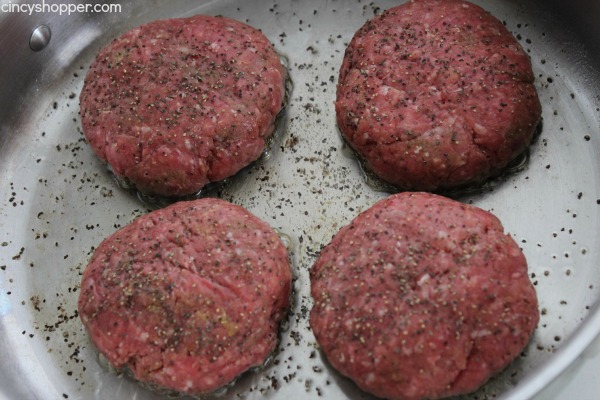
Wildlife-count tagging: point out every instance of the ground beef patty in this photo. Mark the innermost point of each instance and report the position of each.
(436, 94)
(422, 297)
(187, 297)
(175, 104)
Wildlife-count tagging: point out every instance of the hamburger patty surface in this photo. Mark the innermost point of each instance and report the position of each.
(187, 297)
(422, 297)
(175, 104)
(436, 94)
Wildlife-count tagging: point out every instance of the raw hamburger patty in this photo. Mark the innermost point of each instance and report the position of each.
(422, 297)
(175, 104)
(187, 297)
(436, 94)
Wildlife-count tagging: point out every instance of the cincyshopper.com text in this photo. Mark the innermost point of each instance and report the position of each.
(58, 8)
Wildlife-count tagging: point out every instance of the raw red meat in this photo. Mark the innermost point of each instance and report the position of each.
(422, 297)
(187, 297)
(175, 104)
(436, 94)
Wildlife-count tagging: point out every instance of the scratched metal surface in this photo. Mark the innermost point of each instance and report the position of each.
(58, 201)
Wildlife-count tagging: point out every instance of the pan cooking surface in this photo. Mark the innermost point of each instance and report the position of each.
(59, 201)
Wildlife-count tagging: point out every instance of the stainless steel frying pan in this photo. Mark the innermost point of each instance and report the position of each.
(58, 201)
